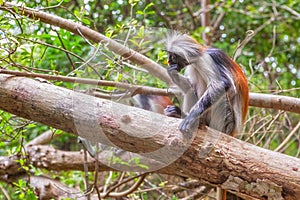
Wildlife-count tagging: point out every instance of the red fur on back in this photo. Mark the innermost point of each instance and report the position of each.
(242, 88)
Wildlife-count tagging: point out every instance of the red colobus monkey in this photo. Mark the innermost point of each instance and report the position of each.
(215, 89)
(153, 103)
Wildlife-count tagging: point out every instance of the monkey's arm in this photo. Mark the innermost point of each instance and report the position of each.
(213, 94)
(184, 84)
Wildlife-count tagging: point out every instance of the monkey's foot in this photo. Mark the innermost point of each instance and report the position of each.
(188, 127)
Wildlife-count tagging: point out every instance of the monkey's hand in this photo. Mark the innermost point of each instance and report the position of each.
(173, 67)
(173, 111)
(188, 126)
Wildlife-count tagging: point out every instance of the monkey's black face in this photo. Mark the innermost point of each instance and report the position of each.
(174, 59)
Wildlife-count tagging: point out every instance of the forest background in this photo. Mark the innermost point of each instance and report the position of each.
(262, 36)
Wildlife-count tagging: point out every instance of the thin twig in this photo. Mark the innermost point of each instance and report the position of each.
(88, 60)
(89, 34)
(208, 8)
(288, 137)
(218, 21)
(158, 12)
(96, 175)
(51, 7)
(50, 45)
(135, 89)
(285, 7)
(273, 41)
(190, 11)
(5, 193)
(86, 173)
(44, 138)
(241, 45)
(141, 177)
(64, 47)
(249, 36)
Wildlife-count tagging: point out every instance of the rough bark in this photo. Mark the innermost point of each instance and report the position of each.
(213, 157)
(286, 103)
(275, 102)
(47, 188)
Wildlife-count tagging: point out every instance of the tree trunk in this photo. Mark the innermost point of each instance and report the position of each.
(216, 158)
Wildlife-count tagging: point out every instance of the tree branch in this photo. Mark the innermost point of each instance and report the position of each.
(285, 103)
(46, 157)
(48, 188)
(279, 102)
(205, 22)
(133, 89)
(78, 29)
(216, 158)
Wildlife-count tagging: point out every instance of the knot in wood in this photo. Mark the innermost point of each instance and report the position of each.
(126, 119)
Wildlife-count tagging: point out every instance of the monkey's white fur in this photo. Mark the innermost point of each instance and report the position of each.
(203, 73)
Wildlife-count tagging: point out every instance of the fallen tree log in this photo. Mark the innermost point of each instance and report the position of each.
(211, 156)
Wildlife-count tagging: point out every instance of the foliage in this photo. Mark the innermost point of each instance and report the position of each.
(270, 60)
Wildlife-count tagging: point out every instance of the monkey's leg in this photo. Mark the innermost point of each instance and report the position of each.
(211, 96)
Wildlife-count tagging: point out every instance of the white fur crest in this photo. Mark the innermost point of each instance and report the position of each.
(182, 45)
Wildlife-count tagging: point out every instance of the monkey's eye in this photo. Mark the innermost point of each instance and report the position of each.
(172, 58)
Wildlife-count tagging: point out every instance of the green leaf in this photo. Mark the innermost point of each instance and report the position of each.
(152, 12)
(134, 42)
(139, 12)
(149, 5)
(86, 21)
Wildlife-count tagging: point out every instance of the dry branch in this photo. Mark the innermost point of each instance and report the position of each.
(213, 157)
(47, 188)
(285, 103)
(47, 157)
(134, 89)
(279, 102)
